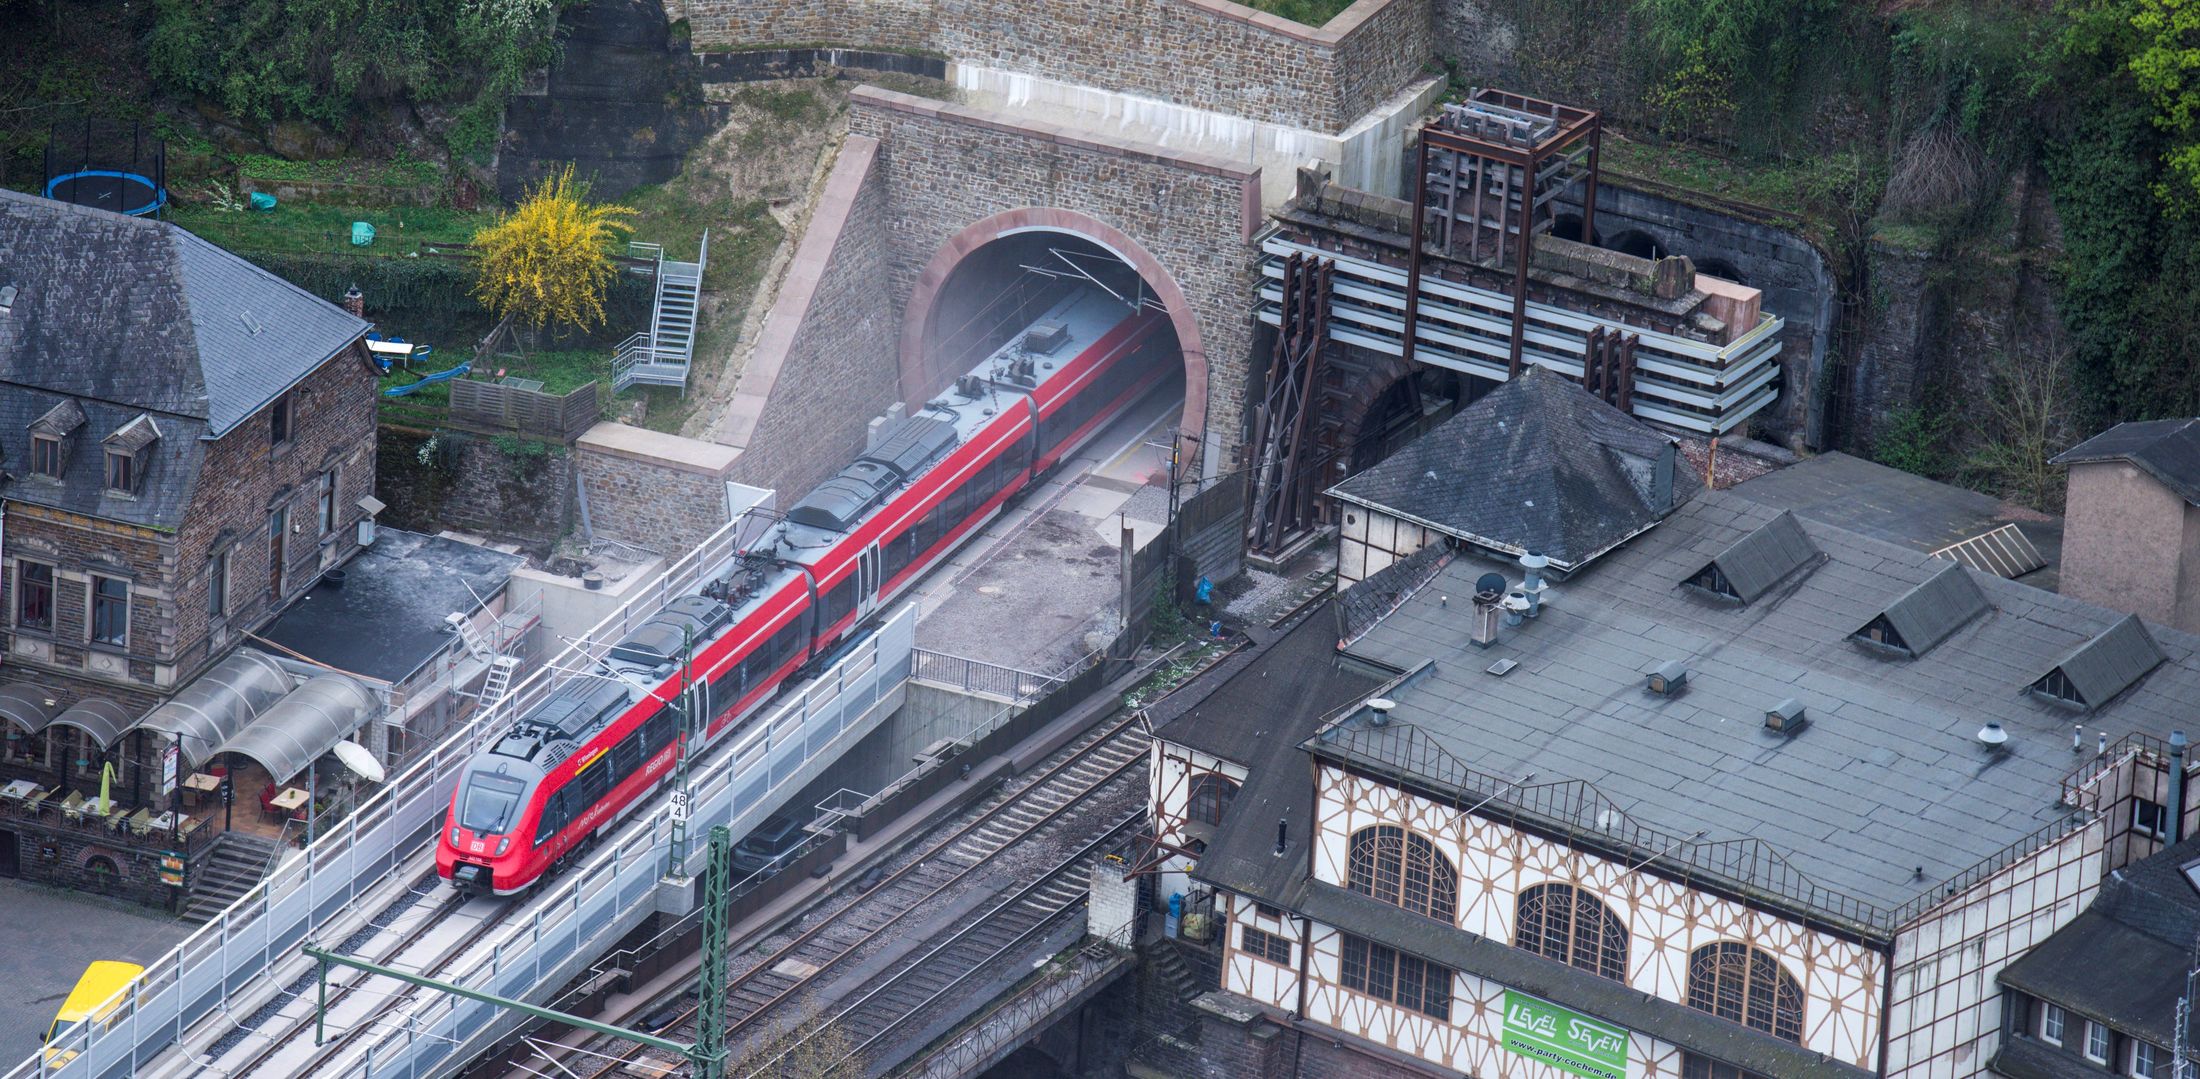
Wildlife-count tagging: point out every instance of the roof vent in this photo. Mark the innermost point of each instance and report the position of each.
(7, 299)
(1669, 678)
(1043, 338)
(251, 325)
(1786, 717)
(1378, 710)
(1992, 735)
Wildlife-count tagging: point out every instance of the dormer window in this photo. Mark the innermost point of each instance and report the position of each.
(128, 452)
(50, 438)
(46, 457)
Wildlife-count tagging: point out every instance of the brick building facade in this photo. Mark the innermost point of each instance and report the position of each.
(188, 441)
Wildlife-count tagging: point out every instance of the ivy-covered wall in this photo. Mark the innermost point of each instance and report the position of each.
(502, 487)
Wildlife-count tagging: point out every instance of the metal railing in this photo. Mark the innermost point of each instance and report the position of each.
(352, 859)
(1748, 866)
(559, 934)
(1006, 684)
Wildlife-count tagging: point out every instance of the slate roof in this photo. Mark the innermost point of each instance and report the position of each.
(1870, 499)
(171, 462)
(1765, 557)
(139, 313)
(1926, 615)
(1253, 709)
(2122, 960)
(1537, 464)
(2109, 663)
(1888, 779)
(2168, 449)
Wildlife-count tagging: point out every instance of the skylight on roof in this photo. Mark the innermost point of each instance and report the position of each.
(2192, 874)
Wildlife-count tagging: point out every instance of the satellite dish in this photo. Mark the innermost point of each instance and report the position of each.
(1489, 586)
(361, 762)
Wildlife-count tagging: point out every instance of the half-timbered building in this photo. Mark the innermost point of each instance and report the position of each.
(1748, 795)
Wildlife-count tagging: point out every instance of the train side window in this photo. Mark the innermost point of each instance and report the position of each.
(556, 811)
(659, 732)
(840, 600)
(626, 757)
(593, 783)
(726, 689)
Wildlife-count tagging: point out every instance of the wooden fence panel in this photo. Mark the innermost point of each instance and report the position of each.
(547, 416)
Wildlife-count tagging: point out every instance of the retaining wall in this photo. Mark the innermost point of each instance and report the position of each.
(1207, 54)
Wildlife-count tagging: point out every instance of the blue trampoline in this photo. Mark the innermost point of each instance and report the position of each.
(109, 189)
(107, 166)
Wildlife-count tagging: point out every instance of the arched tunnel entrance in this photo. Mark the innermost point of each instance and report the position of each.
(999, 276)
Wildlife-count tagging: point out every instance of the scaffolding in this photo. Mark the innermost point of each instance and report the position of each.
(1487, 171)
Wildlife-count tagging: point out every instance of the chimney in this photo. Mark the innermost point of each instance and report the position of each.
(2128, 512)
(1283, 835)
(1532, 566)
(2176, 786)
(1489, 597)
(355, 302)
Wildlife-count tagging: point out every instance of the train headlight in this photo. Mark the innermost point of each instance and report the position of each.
(503, 845)
(454, 835)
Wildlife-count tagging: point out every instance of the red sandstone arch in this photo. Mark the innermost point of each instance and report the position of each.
(936, 273)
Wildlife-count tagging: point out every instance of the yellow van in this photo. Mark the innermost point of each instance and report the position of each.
(97, 991)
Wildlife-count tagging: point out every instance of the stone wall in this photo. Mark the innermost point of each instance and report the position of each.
(823, 365)
(660, 492)
(506, 489)
(1249, 64)
(1184, 219)
(1796, 279)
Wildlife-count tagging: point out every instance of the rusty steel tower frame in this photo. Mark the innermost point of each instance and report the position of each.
(1486, 173)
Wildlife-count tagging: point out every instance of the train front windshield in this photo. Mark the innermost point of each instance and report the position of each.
(490, 804)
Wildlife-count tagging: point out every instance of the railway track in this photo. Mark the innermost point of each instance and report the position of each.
(1056, 806)
(422, 945)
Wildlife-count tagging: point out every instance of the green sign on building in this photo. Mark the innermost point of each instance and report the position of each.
(1566, 1040)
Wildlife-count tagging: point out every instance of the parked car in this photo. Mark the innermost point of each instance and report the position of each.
(96, 996)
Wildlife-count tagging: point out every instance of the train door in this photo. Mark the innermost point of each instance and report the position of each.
(868, 579)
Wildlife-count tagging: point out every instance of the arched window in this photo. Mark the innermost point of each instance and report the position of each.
(1745, 984)
(1211, 796)
(1404, 870)
(1571, 925)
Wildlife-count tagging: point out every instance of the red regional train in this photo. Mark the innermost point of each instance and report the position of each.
(599, 742)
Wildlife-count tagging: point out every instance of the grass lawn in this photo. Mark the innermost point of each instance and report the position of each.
(306, 228)
(1310, 12)
(560, 372)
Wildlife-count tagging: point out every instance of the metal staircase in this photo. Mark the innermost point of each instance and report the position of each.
(660, 357)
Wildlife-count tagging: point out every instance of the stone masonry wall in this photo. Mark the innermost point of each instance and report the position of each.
(1193, 214)
(476, 484)
(661, 492)
(824, 362)
(1248, 63)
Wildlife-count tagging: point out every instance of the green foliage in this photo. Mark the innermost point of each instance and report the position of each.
(324, 60)
(2156, 44)
(1913, 440)
(401, 171)
(1720, 52)
(525, 449)
(1310, 12)
(549, 260)
(2132, 263)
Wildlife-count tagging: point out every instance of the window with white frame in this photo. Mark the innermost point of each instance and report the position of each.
(2096, 1042)
(2145, 1060)
(2051, 1023)
(2149, 818)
